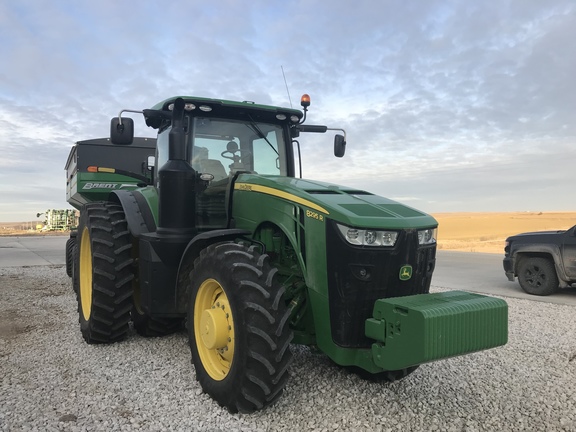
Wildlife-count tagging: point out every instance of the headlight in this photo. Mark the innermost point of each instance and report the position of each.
(364, 237)
(427, 236)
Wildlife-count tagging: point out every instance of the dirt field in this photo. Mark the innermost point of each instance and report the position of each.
(465, 232)
(487, 232)
(19, 228)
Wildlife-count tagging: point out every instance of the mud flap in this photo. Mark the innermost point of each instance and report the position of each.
(422, 328)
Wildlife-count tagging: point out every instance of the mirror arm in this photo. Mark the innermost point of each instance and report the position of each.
(338, 129)
(126, 110)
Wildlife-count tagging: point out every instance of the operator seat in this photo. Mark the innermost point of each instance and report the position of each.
(214, 167)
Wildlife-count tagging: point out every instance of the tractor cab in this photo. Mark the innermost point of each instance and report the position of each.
(219, 149)
(220, 140)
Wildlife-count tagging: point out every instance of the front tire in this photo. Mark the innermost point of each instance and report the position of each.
(386, 376)
(105, 274)
(537, 276)
(238, 327)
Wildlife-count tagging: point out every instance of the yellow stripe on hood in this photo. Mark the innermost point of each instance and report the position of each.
(280, 194)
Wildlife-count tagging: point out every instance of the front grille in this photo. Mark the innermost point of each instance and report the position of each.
(358, 276)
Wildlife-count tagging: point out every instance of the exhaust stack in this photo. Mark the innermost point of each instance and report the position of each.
(177, 182)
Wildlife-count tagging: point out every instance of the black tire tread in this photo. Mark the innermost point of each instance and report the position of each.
(148, 326)
(112, 273)
(385, 376)
(70, 243)
(262, 355)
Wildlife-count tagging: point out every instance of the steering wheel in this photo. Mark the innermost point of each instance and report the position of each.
(231, 150)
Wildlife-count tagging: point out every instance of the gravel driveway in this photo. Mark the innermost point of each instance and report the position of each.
(51, 380)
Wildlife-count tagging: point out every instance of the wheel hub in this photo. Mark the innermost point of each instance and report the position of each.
(214, 328)
(535, 276)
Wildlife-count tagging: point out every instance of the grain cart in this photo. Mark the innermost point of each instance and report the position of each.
(85, 184)
(227, 238)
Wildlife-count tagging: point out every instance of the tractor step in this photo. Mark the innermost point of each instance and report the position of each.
(422, 328)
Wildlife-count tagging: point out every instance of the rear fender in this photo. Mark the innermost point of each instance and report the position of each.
(136, 210)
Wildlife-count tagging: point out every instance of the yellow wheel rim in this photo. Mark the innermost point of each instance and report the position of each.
(214, 329)
(86, 274)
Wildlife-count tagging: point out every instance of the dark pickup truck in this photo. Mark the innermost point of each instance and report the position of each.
(543, 261)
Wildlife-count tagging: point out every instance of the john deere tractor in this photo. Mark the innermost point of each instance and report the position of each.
(210, 227)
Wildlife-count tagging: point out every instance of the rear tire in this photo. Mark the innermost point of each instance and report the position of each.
(238, 327)
(75, 270)
(70, 243)
(154, 327)
(144, 324)
(105, 273)
(537, 276)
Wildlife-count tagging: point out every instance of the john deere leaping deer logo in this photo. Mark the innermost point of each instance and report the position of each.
(405, 272)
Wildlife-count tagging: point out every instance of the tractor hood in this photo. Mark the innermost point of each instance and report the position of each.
(343, 204)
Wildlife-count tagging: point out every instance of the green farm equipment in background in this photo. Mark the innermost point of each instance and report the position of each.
(209, 227)
(59, 220)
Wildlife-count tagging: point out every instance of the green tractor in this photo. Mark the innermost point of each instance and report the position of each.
(209, 227)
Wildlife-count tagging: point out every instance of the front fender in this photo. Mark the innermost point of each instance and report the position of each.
(540, 249)
(190, 254)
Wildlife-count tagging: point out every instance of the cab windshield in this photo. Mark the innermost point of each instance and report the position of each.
(224, 147)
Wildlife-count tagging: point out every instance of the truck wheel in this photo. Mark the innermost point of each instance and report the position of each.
(104, 273)
(70, 255)
(238, 327)
(537, 276)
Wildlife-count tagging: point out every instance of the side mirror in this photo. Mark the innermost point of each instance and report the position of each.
(339, 145)
(122, 134)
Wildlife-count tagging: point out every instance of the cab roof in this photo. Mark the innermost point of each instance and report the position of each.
(246, 105)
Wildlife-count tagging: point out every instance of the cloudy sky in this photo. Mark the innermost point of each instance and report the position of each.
(448, 105)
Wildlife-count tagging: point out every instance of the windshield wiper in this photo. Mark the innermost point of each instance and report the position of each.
(256, 129)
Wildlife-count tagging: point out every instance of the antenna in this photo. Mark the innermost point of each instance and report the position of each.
(286, 84)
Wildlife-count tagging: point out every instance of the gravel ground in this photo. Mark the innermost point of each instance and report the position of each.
(51, 380)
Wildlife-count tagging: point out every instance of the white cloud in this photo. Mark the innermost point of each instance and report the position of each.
(451, 105)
